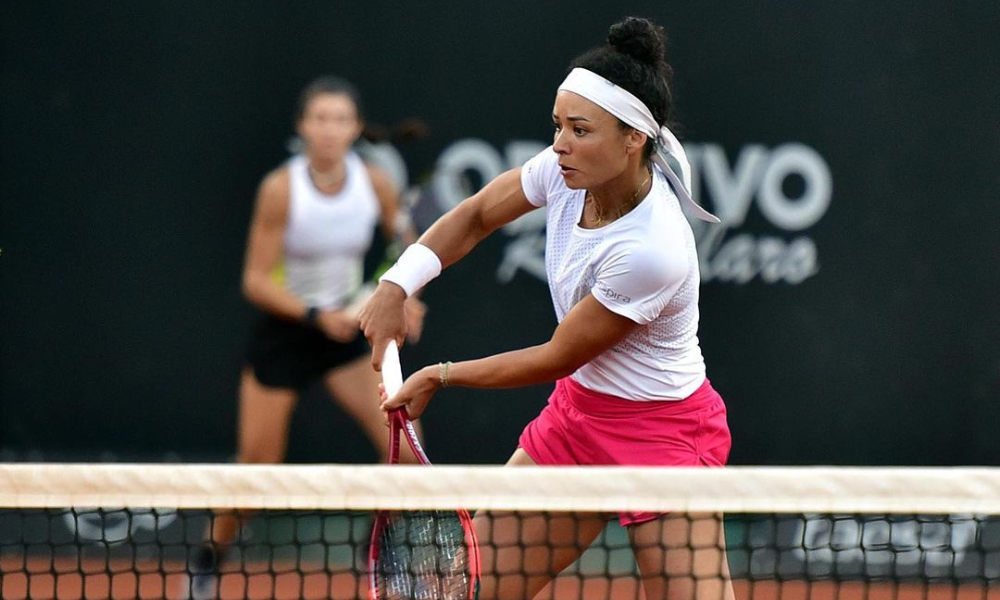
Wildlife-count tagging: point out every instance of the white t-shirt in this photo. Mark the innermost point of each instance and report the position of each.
(643, 266)
(327, 236)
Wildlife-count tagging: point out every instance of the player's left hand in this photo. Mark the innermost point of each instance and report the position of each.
(415, 394)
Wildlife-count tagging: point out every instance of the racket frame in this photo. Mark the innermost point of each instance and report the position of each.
(400, 425)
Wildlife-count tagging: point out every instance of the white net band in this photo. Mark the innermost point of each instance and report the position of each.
(597, 489)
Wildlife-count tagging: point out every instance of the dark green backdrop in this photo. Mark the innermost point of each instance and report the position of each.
(133, 135)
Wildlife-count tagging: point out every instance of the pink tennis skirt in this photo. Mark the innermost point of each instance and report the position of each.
(583, 427)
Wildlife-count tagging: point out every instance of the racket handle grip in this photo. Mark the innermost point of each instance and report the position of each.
(392, 372)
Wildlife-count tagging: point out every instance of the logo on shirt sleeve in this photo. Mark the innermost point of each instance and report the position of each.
(611, 294)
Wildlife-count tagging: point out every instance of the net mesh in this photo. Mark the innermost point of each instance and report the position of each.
(139, 531)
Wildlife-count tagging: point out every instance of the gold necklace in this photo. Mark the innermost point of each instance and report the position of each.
(621, 211)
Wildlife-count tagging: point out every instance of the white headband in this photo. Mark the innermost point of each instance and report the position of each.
(631, 111)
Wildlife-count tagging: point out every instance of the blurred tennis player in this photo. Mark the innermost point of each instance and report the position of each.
(631, 387)
(314, 221)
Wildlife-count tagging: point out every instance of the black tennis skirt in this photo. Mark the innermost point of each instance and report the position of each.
(291, 355)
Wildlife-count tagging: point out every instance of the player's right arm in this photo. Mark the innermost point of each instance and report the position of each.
(451, 237)
(457, 232)
(264, 248)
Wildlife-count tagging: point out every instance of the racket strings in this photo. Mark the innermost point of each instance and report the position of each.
(423, 556)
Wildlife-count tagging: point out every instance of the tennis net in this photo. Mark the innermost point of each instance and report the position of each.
(75, 531)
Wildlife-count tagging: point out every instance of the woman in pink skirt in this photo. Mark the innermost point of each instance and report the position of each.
(622, 267)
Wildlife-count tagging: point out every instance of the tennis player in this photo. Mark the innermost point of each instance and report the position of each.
(631, 386)
(314, 221)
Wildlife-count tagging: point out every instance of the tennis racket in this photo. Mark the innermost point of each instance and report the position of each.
(420, 554)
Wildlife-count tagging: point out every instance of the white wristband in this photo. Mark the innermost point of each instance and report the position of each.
(415, 267)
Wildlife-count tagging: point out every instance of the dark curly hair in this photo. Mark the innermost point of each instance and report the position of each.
(634, 58)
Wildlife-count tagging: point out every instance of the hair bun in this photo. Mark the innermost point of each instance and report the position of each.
(639, 38)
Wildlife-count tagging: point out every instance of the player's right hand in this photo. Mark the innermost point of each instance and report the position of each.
(337, 325)
(415, 312)
(384, 318)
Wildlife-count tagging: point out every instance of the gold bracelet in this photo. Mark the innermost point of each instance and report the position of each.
(443, 373)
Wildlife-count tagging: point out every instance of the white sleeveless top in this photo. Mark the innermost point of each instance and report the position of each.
(643, 266)
(327, 236)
